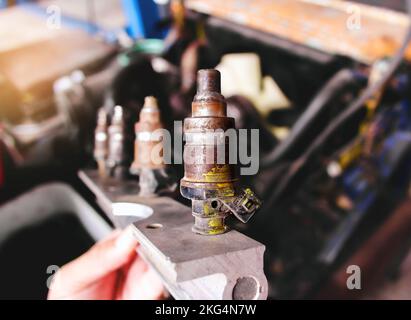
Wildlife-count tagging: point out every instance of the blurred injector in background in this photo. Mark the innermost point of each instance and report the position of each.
(149, 151)
(101, 142)
(118, 157)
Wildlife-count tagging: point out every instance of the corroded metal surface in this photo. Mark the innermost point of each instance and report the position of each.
(210, 180)
(145, 156)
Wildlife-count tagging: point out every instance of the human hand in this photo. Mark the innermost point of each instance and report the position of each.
(110, 270)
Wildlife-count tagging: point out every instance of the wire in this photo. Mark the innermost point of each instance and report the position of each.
(352, 109)
(318, 105)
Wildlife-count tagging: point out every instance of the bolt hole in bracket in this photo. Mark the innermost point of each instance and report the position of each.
(154, 226)
(223, 267)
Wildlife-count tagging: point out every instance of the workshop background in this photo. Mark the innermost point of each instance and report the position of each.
(327, 83)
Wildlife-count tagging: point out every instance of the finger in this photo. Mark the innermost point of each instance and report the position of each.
(121, 280)
(102, 259)
(142, 283)
(112, 235)
(104, 289)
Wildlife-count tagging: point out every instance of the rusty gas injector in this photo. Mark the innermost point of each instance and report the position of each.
(101, 142)
(118, 158)
(149, 122)
(210, 183)
(148, 151)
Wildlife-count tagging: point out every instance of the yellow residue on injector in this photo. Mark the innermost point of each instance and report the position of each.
(216, 226)
(208, 210)
(215, 223)
(218, 173)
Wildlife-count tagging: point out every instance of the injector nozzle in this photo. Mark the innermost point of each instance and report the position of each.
(210, 180)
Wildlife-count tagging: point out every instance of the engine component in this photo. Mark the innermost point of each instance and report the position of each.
(70, 95)
(348, 113)
(101, 142)
(309, 123)
(117, 160)
(144, 155)
(228, 267)
(210, 183)
(148, 151)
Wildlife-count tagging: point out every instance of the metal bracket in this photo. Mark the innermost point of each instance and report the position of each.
(227, 266)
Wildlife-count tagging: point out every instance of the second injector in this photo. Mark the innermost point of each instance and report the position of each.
(148, 161)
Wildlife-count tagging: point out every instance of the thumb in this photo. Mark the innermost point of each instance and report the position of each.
(102, 259)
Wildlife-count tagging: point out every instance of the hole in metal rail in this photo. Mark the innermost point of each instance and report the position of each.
(246, 288)
(154, 226)
(128, 209)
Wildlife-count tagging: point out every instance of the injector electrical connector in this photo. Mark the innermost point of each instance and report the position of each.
(118, 158)
(148, 162)
(101, 142)
(210, 181)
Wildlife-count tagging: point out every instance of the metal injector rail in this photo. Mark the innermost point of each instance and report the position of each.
(210, 180)
(228, 266)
